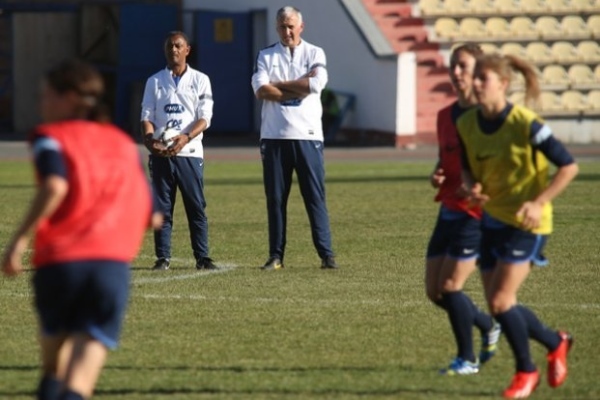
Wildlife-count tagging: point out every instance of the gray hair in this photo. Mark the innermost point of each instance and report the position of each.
(287, 11)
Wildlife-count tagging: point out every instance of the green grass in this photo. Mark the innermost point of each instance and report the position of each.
(364, 332)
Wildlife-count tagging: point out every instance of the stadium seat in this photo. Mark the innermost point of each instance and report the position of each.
(498, 27)
(555, 77)
(559, 6)
(514, 49)
(489, 48)
(506, 6)
(593, 24)
(581, 76)
(550, 102)
(584, 5)
(597, 73)
(574, 100)
(589, 51)
(593, 98)
(524, 29)
(456, 7)
(539, 53)
(533, 6)
(432, 8)
(471, 28)
(517, 82)
(564, 52)
(483, 7)
(446, 28)
(574, 27)
(548, 28)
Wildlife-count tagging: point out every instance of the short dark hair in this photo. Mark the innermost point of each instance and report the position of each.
(178, 33)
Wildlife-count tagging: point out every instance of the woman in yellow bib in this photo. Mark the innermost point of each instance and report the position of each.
(507, 152)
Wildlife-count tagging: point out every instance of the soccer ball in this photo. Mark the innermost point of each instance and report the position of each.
(167, 137)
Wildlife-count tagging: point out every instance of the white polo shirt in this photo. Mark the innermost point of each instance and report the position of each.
(298, 119)
(168, 104)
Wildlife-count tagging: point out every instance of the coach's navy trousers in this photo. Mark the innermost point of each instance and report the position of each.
(185, 173)
(280, 158)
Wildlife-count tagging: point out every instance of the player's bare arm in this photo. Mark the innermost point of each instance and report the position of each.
(49, 196)
(154, 146)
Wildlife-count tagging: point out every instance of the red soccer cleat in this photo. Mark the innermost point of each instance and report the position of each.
(522, 385)
(557, 361)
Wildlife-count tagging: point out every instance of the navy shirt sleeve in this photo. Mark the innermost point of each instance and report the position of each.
(48, 157)
(541, 138)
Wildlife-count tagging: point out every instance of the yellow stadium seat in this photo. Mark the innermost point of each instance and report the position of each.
(431, 8)
(489, 48)
(506, 6)
(550, 102)
(597, 73)
(574, 27)
(539, 53)
(483, 7)
(498, 27)
(517, 82)
(524, 28)
(589, 51)
(581, 76)
(593, 24)
(593, 98)
(548, 27)
(583, 5)
(559, 6)
(456, 7)
(532, 6)
(555, 77)
(471, 28)
(564, 52)
(574, 100)
(446, 28)
(513, 48)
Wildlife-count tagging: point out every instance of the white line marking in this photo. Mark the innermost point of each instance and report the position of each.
(168, 278)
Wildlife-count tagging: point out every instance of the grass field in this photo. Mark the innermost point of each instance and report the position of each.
(363, 332)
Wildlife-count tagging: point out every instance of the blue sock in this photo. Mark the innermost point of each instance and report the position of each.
(460, 313)
(514, 329)
(538, 331)
(48, 388)
(70, 395)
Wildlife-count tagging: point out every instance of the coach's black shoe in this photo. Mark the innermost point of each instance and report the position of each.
(329, 263)
(206, 263)
(162, 264)
(272, 264)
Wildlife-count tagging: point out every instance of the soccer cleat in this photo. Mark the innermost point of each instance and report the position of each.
(489, 343)
(329, 263)
(522, 385)
(458, 366)
(206, 263)
(162, 264)
(272, 264)
(557, 360)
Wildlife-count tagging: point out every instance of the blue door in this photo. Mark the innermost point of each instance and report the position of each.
(223, 45)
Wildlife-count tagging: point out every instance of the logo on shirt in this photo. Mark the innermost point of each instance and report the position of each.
(174, 109)
(174, 124)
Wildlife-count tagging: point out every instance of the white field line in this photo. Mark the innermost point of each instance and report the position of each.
(168, 276)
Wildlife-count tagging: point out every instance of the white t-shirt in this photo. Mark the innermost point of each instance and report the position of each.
(295, 119)
(168, 104)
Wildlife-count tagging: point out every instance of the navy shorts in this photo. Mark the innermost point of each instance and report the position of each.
(83, 296)
(501, 242)
(456, 234)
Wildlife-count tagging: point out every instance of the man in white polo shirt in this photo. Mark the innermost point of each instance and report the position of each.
(178, 98)
(289, 77)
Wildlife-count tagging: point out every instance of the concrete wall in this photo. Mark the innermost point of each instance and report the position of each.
(351, 65)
